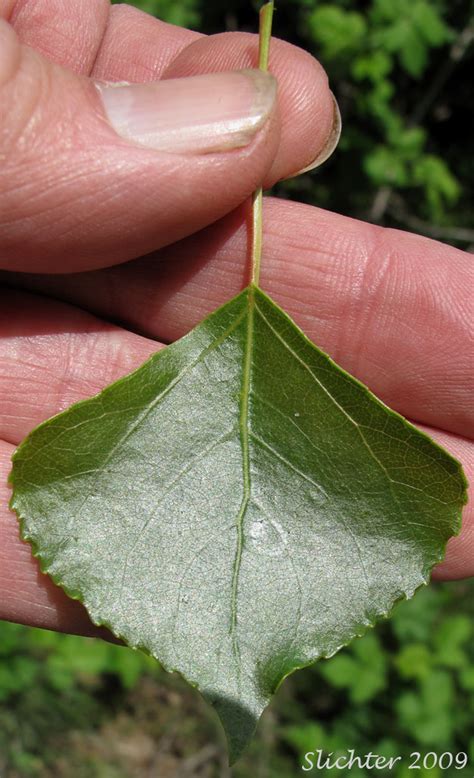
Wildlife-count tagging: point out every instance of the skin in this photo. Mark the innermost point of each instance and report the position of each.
(390, 307)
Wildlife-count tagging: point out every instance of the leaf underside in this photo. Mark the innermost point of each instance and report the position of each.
(237, 507)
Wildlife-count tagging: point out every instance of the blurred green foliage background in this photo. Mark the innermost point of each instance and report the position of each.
(72, 707)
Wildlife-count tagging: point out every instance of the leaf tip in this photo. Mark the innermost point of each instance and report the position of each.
(239, 723)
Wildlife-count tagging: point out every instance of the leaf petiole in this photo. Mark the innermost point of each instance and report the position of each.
(265, 32)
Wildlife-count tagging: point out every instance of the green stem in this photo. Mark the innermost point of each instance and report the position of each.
(265, 31)
(266, 18)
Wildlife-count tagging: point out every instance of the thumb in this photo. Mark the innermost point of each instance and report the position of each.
(96, 174)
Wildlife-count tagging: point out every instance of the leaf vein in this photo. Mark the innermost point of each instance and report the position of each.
(244, 440)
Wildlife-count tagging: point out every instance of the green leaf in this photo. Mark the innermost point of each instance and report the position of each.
(414, 53)
(415, 620)
(363, 673)
(440, 186)
(466, 679)
(385, 166)
(374, 66)
(340, 672)
(449, 641)
(237, 507)
(414, 661)
(339, 32)
(428, 715)
(305, 737)
(430, 23)
(409, 142)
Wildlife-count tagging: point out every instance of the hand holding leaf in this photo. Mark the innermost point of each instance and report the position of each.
(238, 506)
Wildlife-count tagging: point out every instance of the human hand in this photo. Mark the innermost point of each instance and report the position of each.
(390, 307)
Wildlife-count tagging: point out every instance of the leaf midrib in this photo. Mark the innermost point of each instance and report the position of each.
(244, 442)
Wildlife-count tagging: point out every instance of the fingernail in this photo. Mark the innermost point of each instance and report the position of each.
(331, 142)
(199, 114)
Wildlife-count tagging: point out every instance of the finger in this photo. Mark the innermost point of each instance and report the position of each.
(307, 109)
(45, 344)
(459, 560)
(138, 47)
(133, 46)
(67, 33)
(393, 309)
(116, 43)
(98, 176)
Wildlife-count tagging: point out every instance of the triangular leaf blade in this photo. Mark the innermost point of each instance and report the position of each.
(238, 506)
